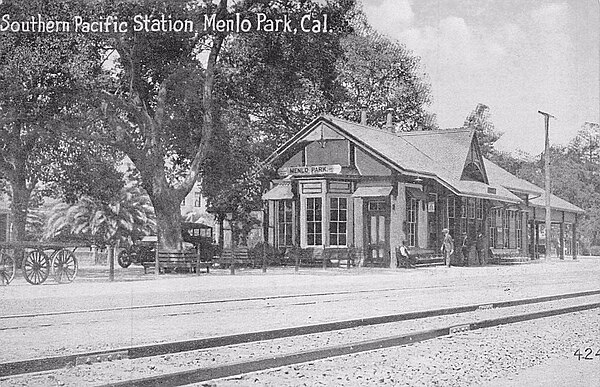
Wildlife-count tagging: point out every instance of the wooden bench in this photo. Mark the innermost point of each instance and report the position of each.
(241, 258)
(497, 255)
(345, 257)
(189, 260)
(420, 258)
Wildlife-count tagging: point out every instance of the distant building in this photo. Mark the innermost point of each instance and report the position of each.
(348, 185)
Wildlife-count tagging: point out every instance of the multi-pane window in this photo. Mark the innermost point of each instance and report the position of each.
(519, 228)
(411, 221)
(463, 215)
(479, 208)
(506, 225)
(451, 209)
(338, 221)
(284, 223)
(314, 222)
(493, 228)
(197, 199)
(471, 203)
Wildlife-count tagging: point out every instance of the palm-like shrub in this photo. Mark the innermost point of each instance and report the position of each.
(123, 220)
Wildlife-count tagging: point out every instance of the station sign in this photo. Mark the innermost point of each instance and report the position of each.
(335, 169)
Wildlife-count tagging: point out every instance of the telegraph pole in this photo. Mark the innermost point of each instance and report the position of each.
(547, 182)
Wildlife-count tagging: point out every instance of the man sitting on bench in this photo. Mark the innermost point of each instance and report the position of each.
(404, 258)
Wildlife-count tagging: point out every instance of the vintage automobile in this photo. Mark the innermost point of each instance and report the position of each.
(198, 236)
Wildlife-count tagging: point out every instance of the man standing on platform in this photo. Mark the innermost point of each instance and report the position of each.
(480, 246)
(447, 246)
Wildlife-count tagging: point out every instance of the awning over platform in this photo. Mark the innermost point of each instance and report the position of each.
(364, 192)
(417, 193)
(484, 191)
(280, 192)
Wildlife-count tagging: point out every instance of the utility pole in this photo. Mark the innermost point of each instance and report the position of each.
(547, 182)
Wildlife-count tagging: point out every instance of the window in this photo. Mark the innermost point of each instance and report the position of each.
(492, 228)
(479, 208)
(284, 223)
(338, 221)
(451, 213)
(519, 228)
(463, 216)
(314, 225)
(411, 221)
(506, 225)
(471, 202)
(197, 199)
(432, 220)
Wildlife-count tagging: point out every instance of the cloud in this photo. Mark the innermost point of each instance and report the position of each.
(390, 16)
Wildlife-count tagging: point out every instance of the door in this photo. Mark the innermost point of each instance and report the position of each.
(377, 233)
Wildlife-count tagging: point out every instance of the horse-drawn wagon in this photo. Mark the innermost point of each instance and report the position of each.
(39, 261)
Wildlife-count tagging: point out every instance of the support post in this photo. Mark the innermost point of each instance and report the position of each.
(547, 186)
(561, 253)
(574, 247)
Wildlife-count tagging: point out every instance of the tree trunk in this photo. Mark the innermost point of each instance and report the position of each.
(19, 206)
(168, 221)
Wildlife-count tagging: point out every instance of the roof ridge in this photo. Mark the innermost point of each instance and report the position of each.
(435, 131)
(369, 127)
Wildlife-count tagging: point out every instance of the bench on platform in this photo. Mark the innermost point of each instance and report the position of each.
(177, 260)
(498, 255)
(420, 258)
(241, 258)
(344, 257)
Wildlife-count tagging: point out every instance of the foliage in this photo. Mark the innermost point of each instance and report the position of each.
(479, 120)
(284, 80)
(41, 77)
(155, 102)
(271, 254)
(125, 219)
(380, 76)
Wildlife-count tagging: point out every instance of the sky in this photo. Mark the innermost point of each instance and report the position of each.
(515, 56)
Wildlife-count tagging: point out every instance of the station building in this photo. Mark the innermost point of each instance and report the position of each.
(346, 185)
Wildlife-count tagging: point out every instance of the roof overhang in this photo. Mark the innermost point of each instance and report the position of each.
(364, 192)
(282, 191)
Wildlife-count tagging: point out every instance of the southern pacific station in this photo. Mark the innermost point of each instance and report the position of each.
(348, 186)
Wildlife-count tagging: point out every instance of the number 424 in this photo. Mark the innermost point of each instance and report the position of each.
(587, 354)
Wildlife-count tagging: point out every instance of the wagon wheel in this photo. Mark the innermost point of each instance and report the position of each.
(36, 267)
(8, 268)
(64, 266)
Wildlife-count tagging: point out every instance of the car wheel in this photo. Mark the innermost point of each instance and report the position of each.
(124, 259)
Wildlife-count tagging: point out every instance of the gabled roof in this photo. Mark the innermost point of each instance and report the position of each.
(439, 154)
(555, 203)
(497, 175)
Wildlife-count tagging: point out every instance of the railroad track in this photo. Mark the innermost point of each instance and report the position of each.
(202, 374)
(228, 301)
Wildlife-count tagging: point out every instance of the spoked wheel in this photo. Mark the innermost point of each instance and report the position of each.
(36, 267)
(64, 266)
(124, 259)
(8, 268)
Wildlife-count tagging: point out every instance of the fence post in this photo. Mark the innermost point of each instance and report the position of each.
(156, 265)
(232, 265)
(264, 259)
(111, 263)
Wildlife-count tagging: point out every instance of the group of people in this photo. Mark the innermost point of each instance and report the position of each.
(447, 249)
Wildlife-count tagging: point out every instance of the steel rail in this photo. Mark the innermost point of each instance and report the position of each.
(235, 369)
(133, 352)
